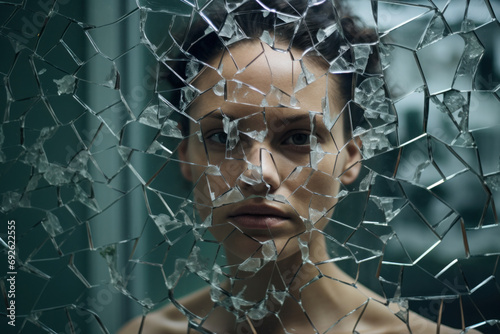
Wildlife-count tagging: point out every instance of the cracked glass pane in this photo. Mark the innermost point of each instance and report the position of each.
(250, 166)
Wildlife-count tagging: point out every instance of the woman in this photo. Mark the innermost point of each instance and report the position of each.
(268, 149)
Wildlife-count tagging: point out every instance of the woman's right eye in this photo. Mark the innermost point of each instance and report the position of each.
(218, 137)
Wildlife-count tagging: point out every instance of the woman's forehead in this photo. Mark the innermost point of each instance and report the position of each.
(253, 63)
(255, 75)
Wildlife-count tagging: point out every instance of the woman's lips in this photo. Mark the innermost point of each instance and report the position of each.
(259, 217)
(257, 222)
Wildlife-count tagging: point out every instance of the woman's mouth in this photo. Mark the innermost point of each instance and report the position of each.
(258, 222)
(258, 217)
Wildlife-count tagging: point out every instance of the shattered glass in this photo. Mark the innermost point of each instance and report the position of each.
(186, 164)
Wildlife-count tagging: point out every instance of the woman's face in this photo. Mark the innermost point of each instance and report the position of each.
(267, 168)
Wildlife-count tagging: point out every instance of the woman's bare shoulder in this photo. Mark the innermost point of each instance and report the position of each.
(380, 323)
(169, 319)
(421, 325)
(424, 326)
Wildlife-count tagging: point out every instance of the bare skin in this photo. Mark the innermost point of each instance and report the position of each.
(326, 309)
(326, 301)
(330, 300)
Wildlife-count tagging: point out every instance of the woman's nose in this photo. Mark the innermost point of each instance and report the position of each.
(261, 173)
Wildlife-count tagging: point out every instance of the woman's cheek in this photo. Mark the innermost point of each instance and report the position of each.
(231, 170)
(209, 188)
(325, 188)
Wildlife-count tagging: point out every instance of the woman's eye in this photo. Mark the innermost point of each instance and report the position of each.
(298, 139)
(218, 137)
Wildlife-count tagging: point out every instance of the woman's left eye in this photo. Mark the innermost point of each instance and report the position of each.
(218, 137)
(298, 139)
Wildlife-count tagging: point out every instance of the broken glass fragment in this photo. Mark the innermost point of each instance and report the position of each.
(65, 85)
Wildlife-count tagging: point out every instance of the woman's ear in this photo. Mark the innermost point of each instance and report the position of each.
(352, 164)
(185, 167)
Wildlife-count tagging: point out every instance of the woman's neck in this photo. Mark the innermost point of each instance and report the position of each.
(279, 285)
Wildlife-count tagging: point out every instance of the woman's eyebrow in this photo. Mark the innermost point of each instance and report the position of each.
(269, 116)
(283, 120)
(295, 118)
(212, 115)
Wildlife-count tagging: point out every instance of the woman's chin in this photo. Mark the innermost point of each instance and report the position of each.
(249, 251)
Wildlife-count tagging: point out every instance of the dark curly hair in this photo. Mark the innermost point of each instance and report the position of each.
(324, 31)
